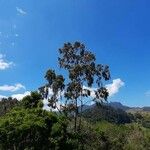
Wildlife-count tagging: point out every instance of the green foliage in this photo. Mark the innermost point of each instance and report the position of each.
(143, 118)
(82, 70)
(111, 136)
(33, 129)
(125, 137)
(25, 125)
(104, 112)
(33, 100)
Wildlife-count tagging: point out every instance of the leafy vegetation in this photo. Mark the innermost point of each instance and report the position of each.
(6, 104)
(108, 113)
(25, 125)
(82, 70)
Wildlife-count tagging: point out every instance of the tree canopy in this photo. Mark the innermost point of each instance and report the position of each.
(82, 70)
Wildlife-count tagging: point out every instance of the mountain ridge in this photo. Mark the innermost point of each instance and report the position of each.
(119, 105)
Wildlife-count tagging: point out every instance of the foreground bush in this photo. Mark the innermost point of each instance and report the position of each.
(33, 129)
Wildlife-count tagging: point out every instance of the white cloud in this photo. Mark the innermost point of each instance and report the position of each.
(46, 107)
(17, 96)
(114, 87)
(21, 11)
(12, 88)
(2, 96)
(4, 64)
(20, 96)
(45, 103)
(92, 90)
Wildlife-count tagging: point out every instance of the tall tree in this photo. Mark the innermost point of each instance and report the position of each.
(6, 104)
(82, 71)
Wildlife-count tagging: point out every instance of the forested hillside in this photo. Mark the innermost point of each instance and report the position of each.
(30, 127)
(68, 124)
(108, 113)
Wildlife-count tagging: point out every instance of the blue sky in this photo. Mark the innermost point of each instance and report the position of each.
(118, 32)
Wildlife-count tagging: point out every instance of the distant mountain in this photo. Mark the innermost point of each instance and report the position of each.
(146, 108)
(113, 112)
(96, 113)
(118, 105)
(127, 108)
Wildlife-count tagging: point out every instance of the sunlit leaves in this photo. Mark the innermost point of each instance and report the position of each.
(32, 101)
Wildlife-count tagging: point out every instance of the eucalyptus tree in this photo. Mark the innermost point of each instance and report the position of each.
(82, 71)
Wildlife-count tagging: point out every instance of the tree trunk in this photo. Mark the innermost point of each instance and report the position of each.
(80, 114)
(75, 116)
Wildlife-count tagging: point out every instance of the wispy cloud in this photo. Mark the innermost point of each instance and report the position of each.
(12, 88)
(21, 11)
(4, 64)
(21, 96)
(92, 90)
(2, 96)
(17, 96)
(114, 87)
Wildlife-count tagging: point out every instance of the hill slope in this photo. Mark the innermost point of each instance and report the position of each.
(103, 112)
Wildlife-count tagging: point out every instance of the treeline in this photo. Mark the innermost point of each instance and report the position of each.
(7, 104)
(28, 126)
